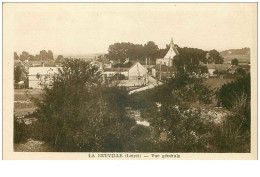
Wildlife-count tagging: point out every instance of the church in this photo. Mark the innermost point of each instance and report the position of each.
(168, 58)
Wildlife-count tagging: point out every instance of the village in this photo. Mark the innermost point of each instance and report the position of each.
(131, 74)
(137, 76)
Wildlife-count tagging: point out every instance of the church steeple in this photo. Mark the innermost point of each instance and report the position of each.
(172, 51)
(172, 44)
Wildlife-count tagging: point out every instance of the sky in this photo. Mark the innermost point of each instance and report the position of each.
(76, 28)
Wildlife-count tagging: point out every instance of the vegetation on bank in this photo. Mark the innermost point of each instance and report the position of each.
(82, 113)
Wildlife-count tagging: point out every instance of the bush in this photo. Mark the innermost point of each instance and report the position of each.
(229, 93)
(233, 135)
(20, 131)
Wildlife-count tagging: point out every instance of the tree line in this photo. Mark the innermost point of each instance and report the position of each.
(43, 55)
(123, 50)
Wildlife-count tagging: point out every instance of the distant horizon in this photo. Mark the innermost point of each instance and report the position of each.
(102, 53)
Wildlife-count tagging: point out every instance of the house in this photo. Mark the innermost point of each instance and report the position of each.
(40, 76)
(213, 68)
(132, 72)
(163, 71)
(134, 75)
(168, 58)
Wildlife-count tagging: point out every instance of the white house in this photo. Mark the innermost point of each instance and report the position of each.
(168, 58)
(133, 76)
(40, 76)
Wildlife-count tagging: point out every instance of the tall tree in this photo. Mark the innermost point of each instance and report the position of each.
(43, 55)
(18, 73)
(151, 50)
(216, 57)
(16, 57)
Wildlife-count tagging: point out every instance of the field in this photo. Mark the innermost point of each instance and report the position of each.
(24, 101)
(216, 83)
(240, 57)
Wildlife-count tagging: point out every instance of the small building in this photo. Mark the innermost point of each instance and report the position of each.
(40, 76)
(136, 70)
(135, 75)
(168, 58)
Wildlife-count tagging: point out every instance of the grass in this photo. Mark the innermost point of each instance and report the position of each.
(23, 101)
(216, 83)
(228, 57)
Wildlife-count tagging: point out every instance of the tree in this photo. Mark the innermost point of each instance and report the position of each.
(121, 51)
(16, 57)
(18, 73)
(216, 57)
(118, 51)
(230, 92)
(151, 50)
(60, 58)
(80, 113)
(43, 55)
(234, 62)
(50, 55)
(24, 56)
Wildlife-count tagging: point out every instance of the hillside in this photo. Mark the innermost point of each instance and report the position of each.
(241, 54)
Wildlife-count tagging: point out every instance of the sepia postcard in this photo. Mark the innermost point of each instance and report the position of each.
(130, 81)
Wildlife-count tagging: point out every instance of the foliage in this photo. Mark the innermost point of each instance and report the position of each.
(240, 71)
(233, 135)
(16, 57)
(20, 131)
(184, 129)
(119, 76)
(79, 113)
(215, 57)
(177, 127)
(230, 92)
(42, 56)
(234, 62)
(121, 51)
(18, 70)
(123, 65)
(60, 58)
(24, 56)
(191, 56)
(46, 55)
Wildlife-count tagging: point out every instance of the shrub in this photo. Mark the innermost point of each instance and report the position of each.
(20, 130)
(228, 94)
